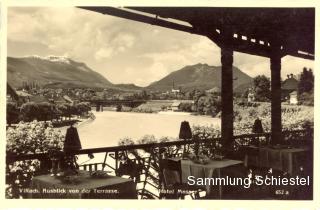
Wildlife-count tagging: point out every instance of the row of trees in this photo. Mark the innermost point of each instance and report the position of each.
(44, 111)
(262, 87)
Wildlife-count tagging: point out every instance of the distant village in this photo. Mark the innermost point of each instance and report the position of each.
(31, 91)
(33, 101)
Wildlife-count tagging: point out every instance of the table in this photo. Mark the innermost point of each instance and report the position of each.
(111, 187)
(210, 170)
(282, 159)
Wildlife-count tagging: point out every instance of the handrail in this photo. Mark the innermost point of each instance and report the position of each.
(13, 157)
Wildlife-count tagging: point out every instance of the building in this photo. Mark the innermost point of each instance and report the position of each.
(293, 98)
(251, 97)
(68, 99)
(23, 94)
(214, 90)
(175, 91)
(175, 106)
(288, 86)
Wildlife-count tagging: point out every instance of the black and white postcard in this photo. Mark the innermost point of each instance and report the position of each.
(160, 102)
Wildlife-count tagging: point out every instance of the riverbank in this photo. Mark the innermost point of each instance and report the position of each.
(81, 122)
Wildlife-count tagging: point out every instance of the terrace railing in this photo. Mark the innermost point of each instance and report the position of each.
(141, 162)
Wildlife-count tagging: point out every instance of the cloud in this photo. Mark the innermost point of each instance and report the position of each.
(255, 65)
(77, 31)
(103, 53)
(124, 41)
(176, 56)
(123, 51)
(205, 51)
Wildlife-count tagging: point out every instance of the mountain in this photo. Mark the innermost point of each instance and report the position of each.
(199, 76)
(128, 87)
(53, 71)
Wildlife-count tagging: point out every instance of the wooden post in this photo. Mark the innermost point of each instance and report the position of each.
(226, 90)
(116, 156)
(276, 125)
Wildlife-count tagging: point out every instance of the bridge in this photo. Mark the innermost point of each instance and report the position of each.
(106, 102)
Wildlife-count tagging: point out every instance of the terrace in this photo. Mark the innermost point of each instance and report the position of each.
(142, 162)
(253, 31)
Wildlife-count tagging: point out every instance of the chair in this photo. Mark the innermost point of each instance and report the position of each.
(173, 188)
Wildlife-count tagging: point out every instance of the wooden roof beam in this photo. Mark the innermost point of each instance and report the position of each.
(142, 18)
(299, 54)
(239, 44)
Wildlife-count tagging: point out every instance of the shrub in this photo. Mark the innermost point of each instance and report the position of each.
(28, 138)
(186, 107)
(119, 108)
(306, 99)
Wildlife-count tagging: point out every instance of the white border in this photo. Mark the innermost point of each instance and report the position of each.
(159, 204)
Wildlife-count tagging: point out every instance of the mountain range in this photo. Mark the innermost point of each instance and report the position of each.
(200, 76)
(53, 71)
(62, 72)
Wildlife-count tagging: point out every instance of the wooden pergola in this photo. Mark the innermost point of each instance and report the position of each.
(268, 32)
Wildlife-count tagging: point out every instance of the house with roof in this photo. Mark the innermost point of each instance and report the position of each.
(214, 90)
(288, 86)
(23, 96)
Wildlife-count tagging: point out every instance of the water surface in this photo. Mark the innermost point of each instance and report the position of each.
(109, 127)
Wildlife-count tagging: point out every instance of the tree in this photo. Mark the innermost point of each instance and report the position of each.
(12, 113)
(30, 111)
(189, 94)
(200, 104)
(198, 100)
(261, 86)
(46, 111)
(82, 108)
(212, 105)
(306, 87)
(70, 110)
(62, 110)
(208, 105)
(306, 82)
(144, 95)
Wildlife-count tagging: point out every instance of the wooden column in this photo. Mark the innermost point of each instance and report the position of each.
(226, 90)
(276, 125)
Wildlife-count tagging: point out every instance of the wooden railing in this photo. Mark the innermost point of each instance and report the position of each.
(141, 162)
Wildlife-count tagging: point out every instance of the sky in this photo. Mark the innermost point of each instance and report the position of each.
(124, 51)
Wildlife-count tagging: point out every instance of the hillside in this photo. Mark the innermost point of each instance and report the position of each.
(53, 71)
(132, 87)
(199, 76)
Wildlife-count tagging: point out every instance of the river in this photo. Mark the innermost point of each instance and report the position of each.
(109, 127)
